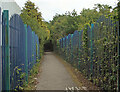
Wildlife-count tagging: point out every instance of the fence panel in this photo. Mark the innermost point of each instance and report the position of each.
(17, 50)
(75, 48)
(20, 50)
(106, 53)
(80, 51)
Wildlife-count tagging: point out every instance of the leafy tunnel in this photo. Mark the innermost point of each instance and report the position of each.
(48, 46)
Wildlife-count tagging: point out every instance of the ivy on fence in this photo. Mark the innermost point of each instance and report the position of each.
(94, 52)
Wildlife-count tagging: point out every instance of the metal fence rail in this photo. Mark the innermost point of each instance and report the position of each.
(94, 52)
(20, 51)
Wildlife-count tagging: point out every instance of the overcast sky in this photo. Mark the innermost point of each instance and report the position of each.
(50, 7)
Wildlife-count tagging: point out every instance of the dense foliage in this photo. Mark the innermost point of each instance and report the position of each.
(94, 52)
(32, 17)
(93, 49)
(67, 23)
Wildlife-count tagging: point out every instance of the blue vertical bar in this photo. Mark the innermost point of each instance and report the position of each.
(26, 59)
(32, 48)
(29, 46)
(71, 48)
(79, 48)
(91, 50)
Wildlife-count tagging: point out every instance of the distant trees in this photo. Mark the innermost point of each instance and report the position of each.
(64, 24)
(67, 23)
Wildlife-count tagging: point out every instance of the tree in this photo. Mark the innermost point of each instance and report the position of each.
(67, 23)
(103, 9)
(64, 24)
(33, 18)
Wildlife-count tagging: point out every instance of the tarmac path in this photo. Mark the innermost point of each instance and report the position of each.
(54, 75)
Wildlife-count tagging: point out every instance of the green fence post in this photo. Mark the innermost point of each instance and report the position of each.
(6, 61)
(26, 59)
(91, 49)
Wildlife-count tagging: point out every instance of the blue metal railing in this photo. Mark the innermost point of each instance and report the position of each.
(20, 51)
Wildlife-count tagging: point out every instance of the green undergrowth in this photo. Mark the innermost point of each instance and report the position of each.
(32, 78)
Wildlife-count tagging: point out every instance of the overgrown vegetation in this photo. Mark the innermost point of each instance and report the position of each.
(93, 51)
(96, 59)
(67, 23)
(32, 78)
(32, 17)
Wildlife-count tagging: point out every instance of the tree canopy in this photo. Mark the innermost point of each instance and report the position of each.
(62, 24)
(67, 23)
(32, 17)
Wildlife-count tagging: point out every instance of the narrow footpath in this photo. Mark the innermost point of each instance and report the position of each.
(54, 75)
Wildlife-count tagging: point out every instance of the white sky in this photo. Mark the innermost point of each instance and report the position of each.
(49, 8)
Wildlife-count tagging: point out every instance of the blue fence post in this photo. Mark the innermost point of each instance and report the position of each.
(71, 48)
(32, 48)
(91, 50)
(26, 59)
(5, 51)
(79, 48)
